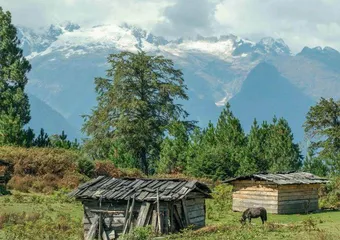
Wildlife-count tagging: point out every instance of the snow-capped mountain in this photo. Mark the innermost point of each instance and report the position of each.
(67, 58)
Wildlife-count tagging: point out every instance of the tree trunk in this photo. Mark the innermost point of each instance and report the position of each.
(143, 161)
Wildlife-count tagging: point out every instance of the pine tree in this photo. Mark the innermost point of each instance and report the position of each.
(231, 140)
(14, 104)
(255, 160)
(219, 150)
(205, 158)
(136, 105)
(281, 151)
(42, 140)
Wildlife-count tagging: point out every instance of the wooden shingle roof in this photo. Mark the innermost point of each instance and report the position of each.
(142, 189)
(283, 178)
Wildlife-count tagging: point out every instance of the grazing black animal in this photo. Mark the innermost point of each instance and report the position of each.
(254, 213)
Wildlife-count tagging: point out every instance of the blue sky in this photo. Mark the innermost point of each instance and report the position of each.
(298, 22)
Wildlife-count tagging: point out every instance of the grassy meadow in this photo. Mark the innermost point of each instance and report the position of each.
(36, 216)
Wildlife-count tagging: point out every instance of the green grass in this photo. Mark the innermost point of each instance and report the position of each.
(36, 216)
(66, 216)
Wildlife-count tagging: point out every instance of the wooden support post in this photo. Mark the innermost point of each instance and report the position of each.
(126, 212)
(171, 214)
(93, 229)
(166, 220)
(128, 223)
(100, 230)
(178, 218)
(185, 212)
(154, 221)
(159, 214)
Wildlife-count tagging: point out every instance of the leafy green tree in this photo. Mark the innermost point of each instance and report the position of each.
(136, 105)
(313, 164)
(174, 148)
(282, 153)
(322, 127)
(121, 156)
(14, 104)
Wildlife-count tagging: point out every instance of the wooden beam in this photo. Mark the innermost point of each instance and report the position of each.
(93, 228)
(108, 211)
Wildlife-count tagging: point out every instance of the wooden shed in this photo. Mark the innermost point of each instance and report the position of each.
(115, 206)
(286, 193)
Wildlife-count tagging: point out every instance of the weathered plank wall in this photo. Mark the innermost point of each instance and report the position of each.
(247, 193)
(195, 207)
(298, 198)
(116, 222)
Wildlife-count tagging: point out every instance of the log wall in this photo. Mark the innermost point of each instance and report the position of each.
(301, 198)
(249, 193)
(280, 199)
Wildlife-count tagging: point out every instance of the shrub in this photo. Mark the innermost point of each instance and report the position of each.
(42, 169)
(330, 194)
(4, 191)
(221, 202)
(85, 166)
(139, 233)
(106, 168)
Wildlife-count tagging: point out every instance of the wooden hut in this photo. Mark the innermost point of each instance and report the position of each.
(114, 206)
(288, 193)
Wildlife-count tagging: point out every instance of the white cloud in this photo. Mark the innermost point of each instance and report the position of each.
(37, 13)
(298, 22)
(188, 18)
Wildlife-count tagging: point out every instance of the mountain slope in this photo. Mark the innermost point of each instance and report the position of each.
(43, 116)
(266, 93)
(64, 71)
(66, 59)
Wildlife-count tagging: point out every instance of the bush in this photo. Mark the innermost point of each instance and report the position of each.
(85, 166)
(4, 191)
(139, 233)
(43, 169)
(221, 202)
(330, 194)
(106, 168)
